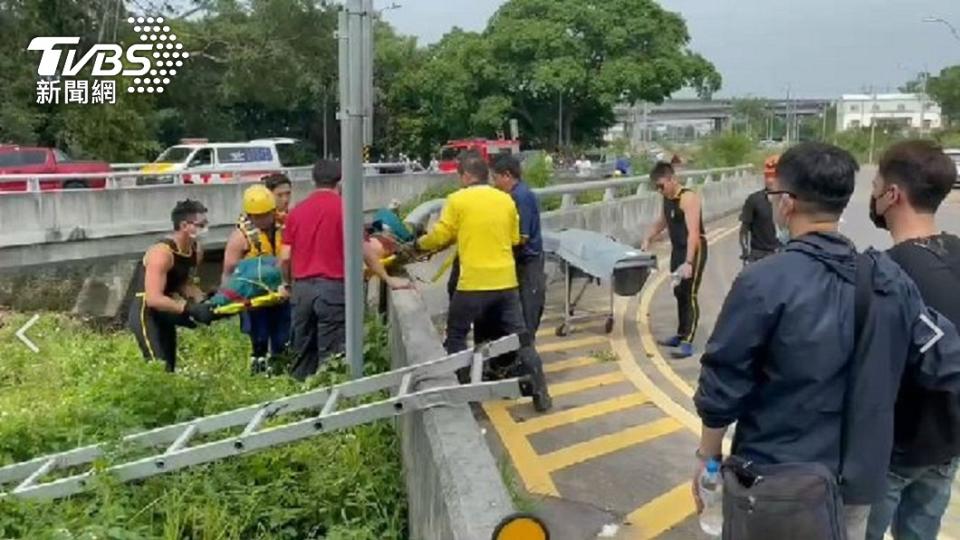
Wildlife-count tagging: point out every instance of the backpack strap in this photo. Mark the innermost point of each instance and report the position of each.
(863, 297)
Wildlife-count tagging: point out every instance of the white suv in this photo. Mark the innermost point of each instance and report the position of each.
(196, 161)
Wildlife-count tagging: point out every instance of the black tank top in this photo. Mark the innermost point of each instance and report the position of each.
(677, 223)
(177, 276)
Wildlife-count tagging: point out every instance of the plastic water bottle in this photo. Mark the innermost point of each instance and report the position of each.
(675, 278)
(711, 493)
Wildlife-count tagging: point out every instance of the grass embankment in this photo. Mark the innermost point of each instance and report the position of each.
(86, 387)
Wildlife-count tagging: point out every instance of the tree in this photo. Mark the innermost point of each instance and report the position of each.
(592, 55)
(945, 89)
(753, 112)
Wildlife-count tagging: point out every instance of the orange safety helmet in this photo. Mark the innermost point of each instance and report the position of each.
(770, 166)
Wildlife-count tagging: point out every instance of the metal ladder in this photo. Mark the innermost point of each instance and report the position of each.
(175, 439)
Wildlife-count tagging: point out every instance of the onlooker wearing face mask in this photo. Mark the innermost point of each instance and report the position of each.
(167, 295)
(914, 179)
(806, 358)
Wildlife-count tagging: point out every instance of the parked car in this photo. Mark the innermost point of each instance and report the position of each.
(955, 154)
(16, 159)
(196, 160)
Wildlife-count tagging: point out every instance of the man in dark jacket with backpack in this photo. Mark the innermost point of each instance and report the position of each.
(915, 177)
(780, 359)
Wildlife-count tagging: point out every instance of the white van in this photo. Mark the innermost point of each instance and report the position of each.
(196, 160)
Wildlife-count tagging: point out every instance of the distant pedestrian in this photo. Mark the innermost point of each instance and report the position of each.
(313, 257)
(915, 177)
(683, 218)
(758, 234)
(806, 358)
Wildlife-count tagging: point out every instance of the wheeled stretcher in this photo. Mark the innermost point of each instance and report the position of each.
(595, 258)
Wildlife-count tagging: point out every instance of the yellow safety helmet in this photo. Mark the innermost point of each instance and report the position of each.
(258, 200)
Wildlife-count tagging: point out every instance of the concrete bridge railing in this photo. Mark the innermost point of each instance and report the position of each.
(630, 205)
(60, 226)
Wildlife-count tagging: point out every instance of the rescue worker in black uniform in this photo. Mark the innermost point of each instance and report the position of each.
(166, 295)
(758, 234)
(683, 218)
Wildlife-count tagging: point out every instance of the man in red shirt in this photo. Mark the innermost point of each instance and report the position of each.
(312, 258)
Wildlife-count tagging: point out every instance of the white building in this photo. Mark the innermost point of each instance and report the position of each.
(915, 111)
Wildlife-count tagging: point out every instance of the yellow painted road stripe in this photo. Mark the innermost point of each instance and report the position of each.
(578, 414)
(569, 344)
(650, 344)
(572, 387)
(572, 363)
(646, 337)
(536, 478)
(607, 444)
(660, 514)
(587, 327)
(631, 369)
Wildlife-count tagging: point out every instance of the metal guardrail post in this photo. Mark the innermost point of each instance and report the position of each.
(567, 201)
(609, 194)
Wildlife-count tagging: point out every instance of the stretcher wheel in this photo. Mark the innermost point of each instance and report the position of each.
(608, 326)
(562, 330)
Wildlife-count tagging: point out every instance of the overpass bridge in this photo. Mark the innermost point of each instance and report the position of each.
(720, 111)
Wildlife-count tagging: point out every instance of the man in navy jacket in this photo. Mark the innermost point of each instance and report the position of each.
(777, 361)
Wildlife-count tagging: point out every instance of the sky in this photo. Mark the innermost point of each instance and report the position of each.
(816, 48)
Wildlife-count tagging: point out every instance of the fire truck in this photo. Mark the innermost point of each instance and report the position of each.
(488, 148)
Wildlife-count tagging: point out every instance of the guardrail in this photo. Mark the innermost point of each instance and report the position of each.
(128, 175)
(421, 214)
(128, 179)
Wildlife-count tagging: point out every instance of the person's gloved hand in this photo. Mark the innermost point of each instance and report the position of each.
(202, 312)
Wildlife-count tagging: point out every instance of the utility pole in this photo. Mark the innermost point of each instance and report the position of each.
(560, 123)
(787, 123)
(873, 127)
(353, 112)
(367, 39)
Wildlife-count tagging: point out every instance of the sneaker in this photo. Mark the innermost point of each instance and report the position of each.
(684, 351)
(258, 365)
(672, 341)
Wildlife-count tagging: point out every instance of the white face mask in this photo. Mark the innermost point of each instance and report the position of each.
(200, 233)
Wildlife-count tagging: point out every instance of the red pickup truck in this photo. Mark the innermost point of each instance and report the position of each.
(36, 160)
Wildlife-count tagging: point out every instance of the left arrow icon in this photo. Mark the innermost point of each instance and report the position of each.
(22, 333)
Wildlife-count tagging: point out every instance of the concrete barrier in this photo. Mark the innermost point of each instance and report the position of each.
(454, 487)
(49, 227)
(628, 219)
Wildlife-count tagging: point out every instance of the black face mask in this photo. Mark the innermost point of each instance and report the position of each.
(879, 221)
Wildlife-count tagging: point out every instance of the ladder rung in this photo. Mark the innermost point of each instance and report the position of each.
(183, 439)
(48, 466)
(331, 403)
(476, 368)
(405, 385)
(256, 421)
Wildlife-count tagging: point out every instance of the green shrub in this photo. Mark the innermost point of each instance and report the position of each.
(86, 387)
(537, 172)
(726, 150)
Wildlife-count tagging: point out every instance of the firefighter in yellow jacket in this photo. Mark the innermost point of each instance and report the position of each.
(259, 233)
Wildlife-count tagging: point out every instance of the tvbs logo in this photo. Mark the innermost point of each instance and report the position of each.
(152, 64)
(106, 57)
